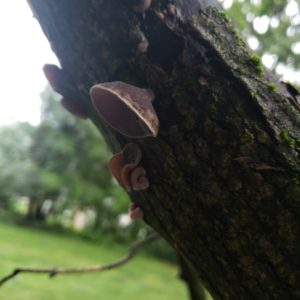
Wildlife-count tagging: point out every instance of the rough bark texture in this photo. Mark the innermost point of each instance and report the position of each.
(225, 167)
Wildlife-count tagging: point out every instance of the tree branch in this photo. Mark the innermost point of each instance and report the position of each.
(97, 268)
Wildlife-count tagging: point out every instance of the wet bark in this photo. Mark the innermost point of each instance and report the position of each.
(224, 169)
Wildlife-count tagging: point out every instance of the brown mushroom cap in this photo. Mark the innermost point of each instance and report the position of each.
(123, 167)
(116, 164)
(53, 74)
(139, 180)
(126, 108)
(132, 155)
(135, 212)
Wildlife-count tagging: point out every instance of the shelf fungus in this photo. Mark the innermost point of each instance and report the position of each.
(57, 80)
(54, 75)
(126, 108)
(125, 168)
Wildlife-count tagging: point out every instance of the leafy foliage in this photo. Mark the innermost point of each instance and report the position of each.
(63, 161)
(272, 27)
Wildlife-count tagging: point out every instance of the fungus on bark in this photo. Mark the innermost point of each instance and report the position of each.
(143, 44)
(135, 212)
(57, 80)
(125, 168)
(138, 179)
(140, 6)
(126, 108)
(54, 76)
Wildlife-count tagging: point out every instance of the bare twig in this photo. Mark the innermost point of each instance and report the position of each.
(97, 268)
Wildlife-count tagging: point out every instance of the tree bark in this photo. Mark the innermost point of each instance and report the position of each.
(225, 168)
(192, 280)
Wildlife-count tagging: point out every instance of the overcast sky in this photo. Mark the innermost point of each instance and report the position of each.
(23, 52)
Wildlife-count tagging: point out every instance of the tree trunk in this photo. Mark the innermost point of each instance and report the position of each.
(225, 168)
(192, 280)
(34, 210)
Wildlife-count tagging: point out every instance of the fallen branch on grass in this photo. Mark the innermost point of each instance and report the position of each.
(97, 268)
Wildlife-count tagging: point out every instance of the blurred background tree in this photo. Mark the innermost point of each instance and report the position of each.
(59, 168)
(14, 161)
(272, 29)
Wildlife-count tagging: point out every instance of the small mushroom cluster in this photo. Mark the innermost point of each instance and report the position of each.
(125, 168)
(127, 109)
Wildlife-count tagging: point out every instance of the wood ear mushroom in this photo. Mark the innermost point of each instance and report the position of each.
(125, 168)
(57, 79)
(135, 212)
(126, 108)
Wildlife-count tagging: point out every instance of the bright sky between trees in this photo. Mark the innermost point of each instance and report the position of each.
(23, 52)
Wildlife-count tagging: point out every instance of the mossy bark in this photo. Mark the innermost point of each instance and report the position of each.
(225, 168)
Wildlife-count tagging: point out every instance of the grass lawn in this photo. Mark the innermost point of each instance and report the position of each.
(143, 278)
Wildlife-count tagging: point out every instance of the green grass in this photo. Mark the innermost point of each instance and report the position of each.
(144, 277)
